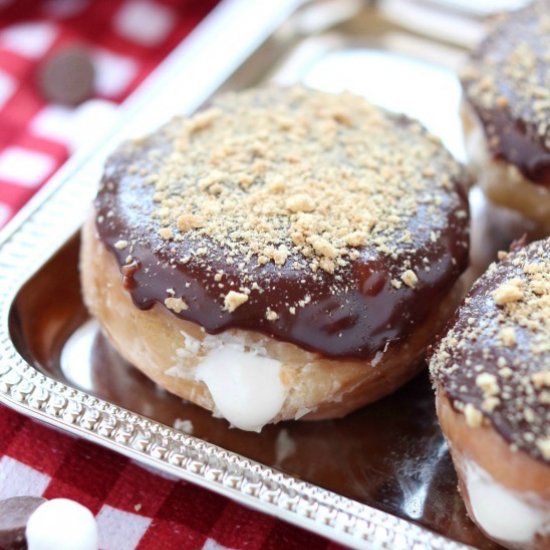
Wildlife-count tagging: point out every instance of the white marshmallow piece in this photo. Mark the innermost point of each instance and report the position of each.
(62, 524)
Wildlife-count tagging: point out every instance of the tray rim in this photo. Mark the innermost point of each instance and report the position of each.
(36, 233)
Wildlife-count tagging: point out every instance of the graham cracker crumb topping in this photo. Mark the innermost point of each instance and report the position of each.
(474, 418)
(544, 446)
(409, 278)
(508, 336)
(234, 299)
(311, 179)
(508, 292)
(175, 304)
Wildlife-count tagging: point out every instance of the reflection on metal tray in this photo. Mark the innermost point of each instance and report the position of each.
(380, 478)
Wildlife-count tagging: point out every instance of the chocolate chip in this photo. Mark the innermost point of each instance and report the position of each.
(67, 76)
(14, 514)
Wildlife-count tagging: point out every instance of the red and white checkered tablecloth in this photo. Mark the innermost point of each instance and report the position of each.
(134, 507)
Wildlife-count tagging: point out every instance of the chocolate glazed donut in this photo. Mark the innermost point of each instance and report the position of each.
(507, 112)
(492, 377)
(312, 223)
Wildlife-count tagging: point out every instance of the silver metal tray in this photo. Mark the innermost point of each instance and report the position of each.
(380, 478)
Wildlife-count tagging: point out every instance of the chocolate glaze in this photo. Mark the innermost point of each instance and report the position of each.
(515, 144)
(482, 353)
(355, 319)
(516, 131)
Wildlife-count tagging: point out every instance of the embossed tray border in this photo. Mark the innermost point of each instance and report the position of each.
(56, 213)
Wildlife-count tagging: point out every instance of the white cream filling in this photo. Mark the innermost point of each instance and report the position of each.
(245, 387)
(244, 383)
(504, 514)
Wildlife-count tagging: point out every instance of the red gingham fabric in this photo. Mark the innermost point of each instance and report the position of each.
(134, 507)
(30, 30)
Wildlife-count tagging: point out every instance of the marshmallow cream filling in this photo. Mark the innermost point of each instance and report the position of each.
(503, 513)
(245, 384)
(245, 387)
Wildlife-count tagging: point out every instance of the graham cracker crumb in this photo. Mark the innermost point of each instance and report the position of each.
(396, 283)
(280, 255)
(271, 315)
(356, 238)
(508, 336)
(203, 120)
(529, 415)
(490, 404)
(506, 372)
(502, 101)
(233, 300)
(166, 233)
(188, 221)
(487, 383)
(544, 447)
(474, 418)
(323, 247)
(300, 203)
(409, 278)
(541, 379)
(176, 304)
(508, 292)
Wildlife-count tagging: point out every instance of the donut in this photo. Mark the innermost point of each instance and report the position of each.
(506, 112)
(281, 254)
(491, 373)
